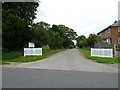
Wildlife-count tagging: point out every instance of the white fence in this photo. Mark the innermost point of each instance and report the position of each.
(101, 52)
(32, 51)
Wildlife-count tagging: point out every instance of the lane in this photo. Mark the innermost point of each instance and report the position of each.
(68, 60)
(37, 78)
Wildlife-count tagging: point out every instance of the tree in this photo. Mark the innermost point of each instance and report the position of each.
(17, 19)
(67, 43)
(15, 33)
(81, 41)
(67, 32)
(25, 11)
(40, 35)
(44, 25)
(92, 39)
(55, 42)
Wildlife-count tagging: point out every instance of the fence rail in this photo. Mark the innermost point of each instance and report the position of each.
(32, 51)
(98, 52)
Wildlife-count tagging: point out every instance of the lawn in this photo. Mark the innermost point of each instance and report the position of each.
(46, 53)
(86, 53)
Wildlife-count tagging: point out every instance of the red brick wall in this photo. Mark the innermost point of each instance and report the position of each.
(115, 35)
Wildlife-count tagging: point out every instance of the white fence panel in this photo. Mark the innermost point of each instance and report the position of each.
(32, 51)
(101, 52)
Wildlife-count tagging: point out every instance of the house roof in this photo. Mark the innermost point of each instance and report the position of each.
(116, 23)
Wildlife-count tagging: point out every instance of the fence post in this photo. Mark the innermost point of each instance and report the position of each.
(114, 50)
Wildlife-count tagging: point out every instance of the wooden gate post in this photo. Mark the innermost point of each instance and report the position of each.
(114, 50)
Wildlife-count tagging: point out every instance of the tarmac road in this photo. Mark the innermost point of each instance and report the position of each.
(40, 78)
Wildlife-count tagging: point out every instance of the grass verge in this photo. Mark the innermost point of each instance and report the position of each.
(86, 53)
(33, 58)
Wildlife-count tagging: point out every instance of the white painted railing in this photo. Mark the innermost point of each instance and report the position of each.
(98, 52)
(32, 51)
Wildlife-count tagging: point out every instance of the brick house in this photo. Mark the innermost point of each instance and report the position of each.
(111, 34)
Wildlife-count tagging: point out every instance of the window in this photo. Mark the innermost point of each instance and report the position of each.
(118, 40)
(118, 29)
(109, 30)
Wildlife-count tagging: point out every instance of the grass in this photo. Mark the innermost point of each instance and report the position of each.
(86, 53)
(33, 58)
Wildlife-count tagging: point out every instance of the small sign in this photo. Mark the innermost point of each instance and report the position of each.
(31, 45)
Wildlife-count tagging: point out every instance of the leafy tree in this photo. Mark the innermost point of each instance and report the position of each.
(40, 35)
(17, 18)
(55, 42)
(81, 41)
(67, 43)
(92, 39)
(44, 25)
(16, 33)
(66, 32)
(25, 11)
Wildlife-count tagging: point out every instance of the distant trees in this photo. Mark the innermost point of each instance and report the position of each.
(40, 36)
(93, 39)
(57, 36)
(83, 42)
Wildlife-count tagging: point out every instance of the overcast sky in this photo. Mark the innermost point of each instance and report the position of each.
(84, 16)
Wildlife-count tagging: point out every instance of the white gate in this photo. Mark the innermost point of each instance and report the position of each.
(98, 52)
(32, 51)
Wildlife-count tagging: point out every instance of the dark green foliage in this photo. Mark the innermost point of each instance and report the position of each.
(17, 18)
(15, 33)
(55, 41)
(81, 41)
(64, 38)
(92, 39)
(7, 54)
(67, 43)
(40, 35)
(84, 42)
(25, 11)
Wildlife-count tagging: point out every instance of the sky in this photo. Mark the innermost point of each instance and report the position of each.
(84, 16)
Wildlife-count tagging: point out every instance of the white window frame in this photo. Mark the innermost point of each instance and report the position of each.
(118, 29)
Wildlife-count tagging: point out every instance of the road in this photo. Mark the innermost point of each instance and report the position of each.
(66, 69)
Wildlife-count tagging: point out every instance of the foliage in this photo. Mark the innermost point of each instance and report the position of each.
(81, 41)
(40, 35)
(66, 34)
(7, 54)
(15, 33)
(67, 43)
(17, 19)
(84, 42)
(55, 41)
(25, 11)
(19, 29)
(92, 39)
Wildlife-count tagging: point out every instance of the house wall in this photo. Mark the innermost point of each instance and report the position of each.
(106, 33)
(115, 35)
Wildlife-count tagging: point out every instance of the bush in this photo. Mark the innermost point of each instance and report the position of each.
(6, 54)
